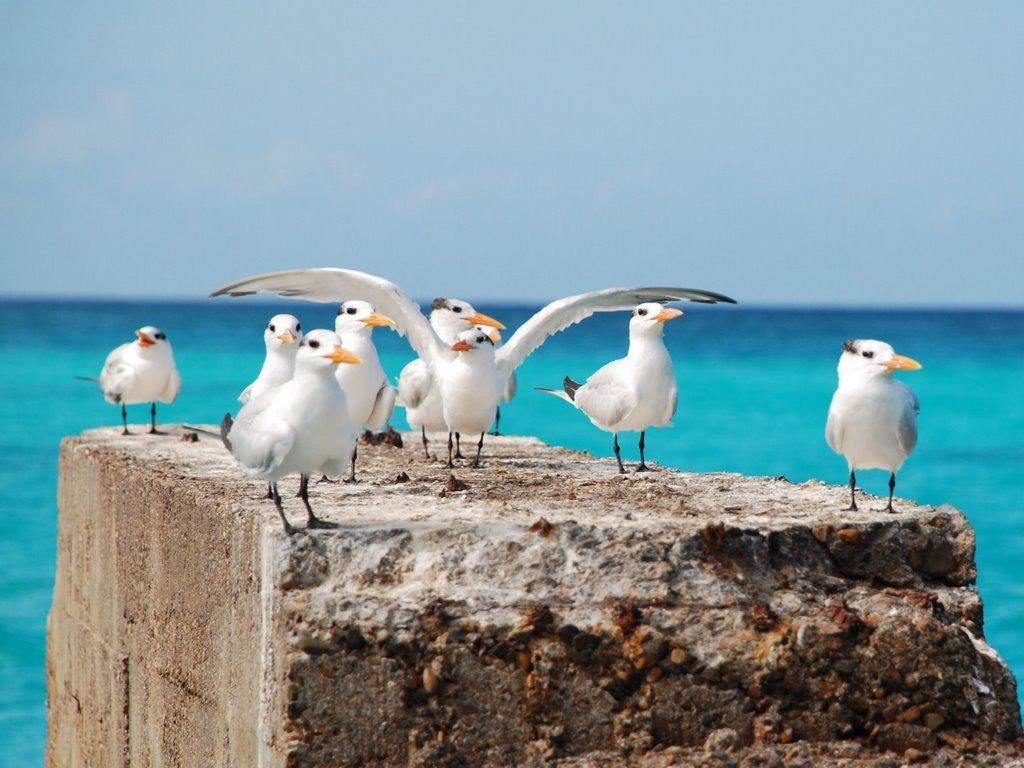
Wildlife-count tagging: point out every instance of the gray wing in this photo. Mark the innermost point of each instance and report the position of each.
(333, 285)
(414, 384)
(906, 430)
(834, 426)
(559, 315)
(673, 403)
(606, 398)
(170, 393)
(511, 387)
(259, 440)
(116, 376)
(383, 407)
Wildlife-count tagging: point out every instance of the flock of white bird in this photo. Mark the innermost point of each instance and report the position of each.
(318, 390)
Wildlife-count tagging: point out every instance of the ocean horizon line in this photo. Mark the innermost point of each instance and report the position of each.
(39, 298)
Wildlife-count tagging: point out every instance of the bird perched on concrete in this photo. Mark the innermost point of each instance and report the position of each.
(872, 420)
(511, 386)
(281, 338)
(141, 371)
(418, 391)
(370, 396)
(473, 385)
(300, 426)
(636, 392)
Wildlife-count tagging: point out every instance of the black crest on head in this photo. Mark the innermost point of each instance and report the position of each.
(850, 346)
(439, 304)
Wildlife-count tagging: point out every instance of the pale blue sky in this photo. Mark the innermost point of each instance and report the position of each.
(855, 153)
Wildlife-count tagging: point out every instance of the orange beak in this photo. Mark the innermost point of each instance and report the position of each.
(901, 363)
(668, 313)
(461, 346)
(342, 355)
(481, 319)
(144, 340)
(494, 335)
(286, 336)
(376, 319)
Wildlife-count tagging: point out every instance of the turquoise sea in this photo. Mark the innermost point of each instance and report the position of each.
(754, 390)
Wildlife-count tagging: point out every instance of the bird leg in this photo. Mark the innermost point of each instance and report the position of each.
(450, 465)
(643, 467)
(497, 422)
(618, 454)
(479, 447)
(892, 487)
(853, 495)
(270, 490)
(423, 431)
(124, 420)
(312, 521)
(152, 420)
(458, 446)
(352, 477)
(288, 528)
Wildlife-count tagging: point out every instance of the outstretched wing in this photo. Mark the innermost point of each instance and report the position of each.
(334, 285)
(559, 315)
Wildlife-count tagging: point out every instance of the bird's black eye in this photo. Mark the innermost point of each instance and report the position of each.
(456, 309)
(351, 310)
(641, 312)
(272, 328)
(480, 339)
(314, 344)
(868, 355)
(298, 326)
(161, 336)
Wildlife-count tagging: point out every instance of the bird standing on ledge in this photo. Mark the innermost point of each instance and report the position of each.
(301, 426)
(872, 420)
(141, 371)
(633, 393)
(370, 396)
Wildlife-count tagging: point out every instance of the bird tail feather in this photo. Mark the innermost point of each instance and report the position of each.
(570, 388)
(190, 428)
(225, 427)
(557, 393)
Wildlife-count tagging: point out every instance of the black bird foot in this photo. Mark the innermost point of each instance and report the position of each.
(155, 431)
(351, 481)
(851, 508)
(316, 522)
(290, 529)
(888, 509)
(644, 468)
(325, 479)
(458, 455)
(476, 464)
(622, 471)
(496, 433)
(125, 431)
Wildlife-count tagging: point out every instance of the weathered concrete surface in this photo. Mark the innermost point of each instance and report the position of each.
(550, 610)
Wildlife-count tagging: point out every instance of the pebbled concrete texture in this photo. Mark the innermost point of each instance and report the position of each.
(541, 608)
